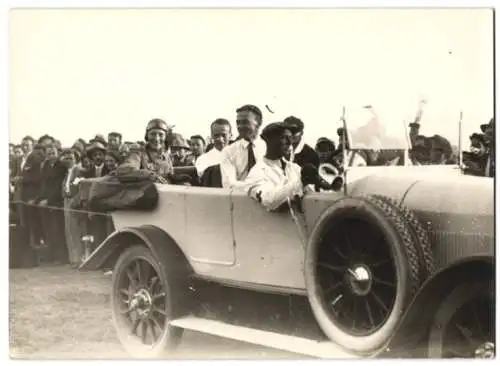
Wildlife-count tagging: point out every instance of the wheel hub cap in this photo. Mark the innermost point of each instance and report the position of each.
(141, 302)
(485, 350)
(359, 279)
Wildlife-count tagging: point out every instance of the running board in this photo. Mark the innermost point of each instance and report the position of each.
(304, 346)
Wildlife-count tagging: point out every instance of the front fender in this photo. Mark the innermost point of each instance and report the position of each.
(159, 242)
(419, 315)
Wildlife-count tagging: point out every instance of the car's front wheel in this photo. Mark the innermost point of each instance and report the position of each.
(464, 324)
(143, 303)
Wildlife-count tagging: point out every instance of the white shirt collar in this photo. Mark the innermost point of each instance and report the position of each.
(277, 162)
(299, 147)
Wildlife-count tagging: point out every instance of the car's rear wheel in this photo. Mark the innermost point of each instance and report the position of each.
(464, 324)
(362, 269)
(143, 303)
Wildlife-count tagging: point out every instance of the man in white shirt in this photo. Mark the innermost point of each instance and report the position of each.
(239, 157)
(220, 130)
(274, 181)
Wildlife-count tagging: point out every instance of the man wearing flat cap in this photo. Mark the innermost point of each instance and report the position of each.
(274, 180)
(302, 153)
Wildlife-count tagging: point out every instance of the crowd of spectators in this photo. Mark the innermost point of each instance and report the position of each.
(45, 176)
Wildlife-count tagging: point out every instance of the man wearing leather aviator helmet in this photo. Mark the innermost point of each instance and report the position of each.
(155, 156)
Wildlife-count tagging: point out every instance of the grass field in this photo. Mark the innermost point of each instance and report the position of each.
(60, 313)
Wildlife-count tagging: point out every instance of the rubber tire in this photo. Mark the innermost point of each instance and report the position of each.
(172, 336)
(448, 307)
(403, 247)
(420, 235)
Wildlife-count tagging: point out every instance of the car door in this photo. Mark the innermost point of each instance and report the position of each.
(268, 245)
(209, 236)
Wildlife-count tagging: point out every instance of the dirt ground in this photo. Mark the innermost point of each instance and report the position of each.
(60, 313)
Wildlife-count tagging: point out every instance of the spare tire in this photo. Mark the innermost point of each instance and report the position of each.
(420, 235)
(362, 269)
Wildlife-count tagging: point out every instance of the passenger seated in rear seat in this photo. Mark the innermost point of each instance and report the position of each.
(238, 158)
(274, 181)
(155, 156)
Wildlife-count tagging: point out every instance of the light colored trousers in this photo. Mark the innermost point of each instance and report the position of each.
(74, 228)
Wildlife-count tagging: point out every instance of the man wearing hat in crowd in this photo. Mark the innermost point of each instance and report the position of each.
(274, 180)
(114, 140)
(155, 155)
(489, 139)
(98, 138)
(96, 152)
(302, 153)
(239, 157)
(476, 158)
(179, 150)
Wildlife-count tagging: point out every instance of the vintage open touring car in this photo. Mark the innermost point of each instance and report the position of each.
(400, 259)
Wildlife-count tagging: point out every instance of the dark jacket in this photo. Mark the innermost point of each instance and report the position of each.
(211, 177)
(307, 156)
(52, 182)
(92, 173)
(31, 177)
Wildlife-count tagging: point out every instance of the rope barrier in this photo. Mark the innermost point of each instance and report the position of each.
(18, 202)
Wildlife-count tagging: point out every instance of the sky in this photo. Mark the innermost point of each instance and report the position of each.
(75, 73)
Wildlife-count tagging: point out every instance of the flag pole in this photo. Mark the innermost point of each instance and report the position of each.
(460, 158)
(344, 150)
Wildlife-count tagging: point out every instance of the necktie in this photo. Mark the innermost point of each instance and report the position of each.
(283, 167)
(251, 157)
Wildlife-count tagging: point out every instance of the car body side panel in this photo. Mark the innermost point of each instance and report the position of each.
(209, 238)
(268, 245)
(459, 214)
(316, 203)
(169, 216)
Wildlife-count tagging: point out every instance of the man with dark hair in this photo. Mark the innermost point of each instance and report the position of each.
(239, 157)
(50, 196)
(325, 148)
(114, 140)
(46, 140)
(30, 180)
(275, 181)
(197, 144)
(441, 150)
(220, 130)
(301, 153)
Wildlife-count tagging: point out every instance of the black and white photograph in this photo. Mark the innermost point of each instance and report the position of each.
(255, 183)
